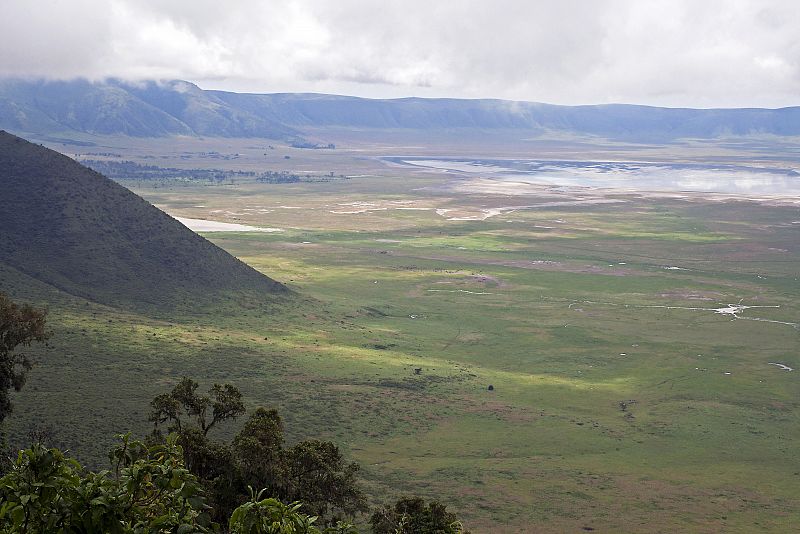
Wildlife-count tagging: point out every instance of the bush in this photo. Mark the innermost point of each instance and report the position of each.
(410, 515)
(149, 491)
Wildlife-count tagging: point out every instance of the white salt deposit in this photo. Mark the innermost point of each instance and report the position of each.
(202, 225)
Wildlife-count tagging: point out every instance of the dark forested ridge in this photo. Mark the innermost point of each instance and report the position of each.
(74, 229)
(154, 109)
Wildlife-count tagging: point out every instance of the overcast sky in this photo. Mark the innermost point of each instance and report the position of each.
(698, 53)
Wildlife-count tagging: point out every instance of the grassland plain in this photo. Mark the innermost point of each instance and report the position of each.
(622, 399)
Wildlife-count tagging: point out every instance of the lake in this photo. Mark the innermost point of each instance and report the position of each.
(673, 177)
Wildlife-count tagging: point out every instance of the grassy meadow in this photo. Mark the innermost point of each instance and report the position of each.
(550, 369)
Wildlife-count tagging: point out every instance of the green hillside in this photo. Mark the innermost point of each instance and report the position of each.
(77, 231)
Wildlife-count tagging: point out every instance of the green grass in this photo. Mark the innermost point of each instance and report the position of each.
(552, 319)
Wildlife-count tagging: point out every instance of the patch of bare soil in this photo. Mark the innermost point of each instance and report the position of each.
(691, 294)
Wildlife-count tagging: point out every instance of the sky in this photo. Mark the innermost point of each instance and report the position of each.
(677, 53)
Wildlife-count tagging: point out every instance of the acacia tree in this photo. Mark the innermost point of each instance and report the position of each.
(225, 403)
(191, 416)
(20, 325)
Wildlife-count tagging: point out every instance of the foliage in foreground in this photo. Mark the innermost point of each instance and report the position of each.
(150, 490)
(271, 516)
(312, 472)
(410, 515)
(162, 487)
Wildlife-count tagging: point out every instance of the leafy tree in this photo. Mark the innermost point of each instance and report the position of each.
(225, 403)
(19, 326)
(318, 476)
(191, 416)
(258, 451)
(271, 516)
(151, 492)
(148, 491)
(313, 472)
(410, 515)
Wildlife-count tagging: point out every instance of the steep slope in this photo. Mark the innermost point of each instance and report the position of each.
(96, 108)
(74, 229)
(203, 113)
(146, 109)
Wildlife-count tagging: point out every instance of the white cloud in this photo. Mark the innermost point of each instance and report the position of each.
(661, 52)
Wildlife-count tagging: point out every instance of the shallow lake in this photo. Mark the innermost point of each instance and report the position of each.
(736, 179)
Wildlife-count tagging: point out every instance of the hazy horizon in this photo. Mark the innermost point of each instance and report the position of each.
(662, 53)
(350, 95)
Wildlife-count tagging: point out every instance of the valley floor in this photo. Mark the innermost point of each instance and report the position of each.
(550, 361)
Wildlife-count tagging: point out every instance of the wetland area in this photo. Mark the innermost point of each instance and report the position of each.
(627, 176)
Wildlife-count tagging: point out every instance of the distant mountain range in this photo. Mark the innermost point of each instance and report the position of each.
(156, 109)
(66, 227)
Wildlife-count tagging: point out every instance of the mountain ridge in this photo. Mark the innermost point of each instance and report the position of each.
(168, 108)
(77, 231)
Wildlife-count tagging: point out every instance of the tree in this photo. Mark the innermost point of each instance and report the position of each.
(203, 457)
(410, 515)
(148, 491)
(186, 413)
(318, 476)
(19, 326)
(225, 403)
(258, 451)
(313, 472)
(271, 516)
(151, 491)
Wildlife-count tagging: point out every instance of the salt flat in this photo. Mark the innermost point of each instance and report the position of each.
(202, 225)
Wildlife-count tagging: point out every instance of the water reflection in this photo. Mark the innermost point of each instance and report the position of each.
(627, 175)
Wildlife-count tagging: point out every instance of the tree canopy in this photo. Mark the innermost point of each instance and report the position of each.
(410, 515)
(312, 472)
(225, 403)
(148, 491)
(20, 325)
(185, 482)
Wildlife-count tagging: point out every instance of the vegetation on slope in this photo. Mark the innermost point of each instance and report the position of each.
(150, 491)
(312, 471)
(72, 228)
(162, 486)
(20, 325)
